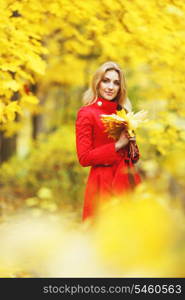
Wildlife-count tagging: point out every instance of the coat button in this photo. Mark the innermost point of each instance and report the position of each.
(99, 103)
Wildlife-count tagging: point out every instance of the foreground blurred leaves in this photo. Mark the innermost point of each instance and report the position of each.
(130, 237)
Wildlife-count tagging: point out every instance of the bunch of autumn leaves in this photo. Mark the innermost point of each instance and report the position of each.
(128, 122)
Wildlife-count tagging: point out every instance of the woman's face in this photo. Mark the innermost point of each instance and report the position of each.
(109, 85)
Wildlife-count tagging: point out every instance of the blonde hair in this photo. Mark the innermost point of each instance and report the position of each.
(91, 95)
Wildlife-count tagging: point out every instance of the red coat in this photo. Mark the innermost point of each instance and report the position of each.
(109, 169)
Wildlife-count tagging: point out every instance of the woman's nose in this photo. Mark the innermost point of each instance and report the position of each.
(111, 85)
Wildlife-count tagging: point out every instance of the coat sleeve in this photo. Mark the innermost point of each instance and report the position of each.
(87, 155)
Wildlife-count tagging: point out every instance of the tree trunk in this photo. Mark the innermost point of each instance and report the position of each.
(7, 146)
(37, 125)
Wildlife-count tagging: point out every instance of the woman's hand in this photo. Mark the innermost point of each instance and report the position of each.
(132, 138)
(123, 140)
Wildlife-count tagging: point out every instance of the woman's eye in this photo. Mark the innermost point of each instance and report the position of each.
(107, 80)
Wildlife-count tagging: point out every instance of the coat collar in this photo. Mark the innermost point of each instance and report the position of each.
(106, 105)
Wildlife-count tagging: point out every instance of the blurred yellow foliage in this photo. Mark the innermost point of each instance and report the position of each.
(138, 237)
(129, 238)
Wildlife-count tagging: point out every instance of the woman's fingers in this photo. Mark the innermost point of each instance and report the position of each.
(132, 138)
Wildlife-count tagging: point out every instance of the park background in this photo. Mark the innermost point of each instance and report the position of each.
(49, 52)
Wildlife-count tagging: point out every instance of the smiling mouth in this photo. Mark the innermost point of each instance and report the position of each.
(109, 93)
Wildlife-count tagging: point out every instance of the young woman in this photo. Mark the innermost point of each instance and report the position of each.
(112, 170)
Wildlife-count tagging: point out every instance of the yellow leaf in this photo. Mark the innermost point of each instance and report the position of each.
(29, 99)
(11, 84)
